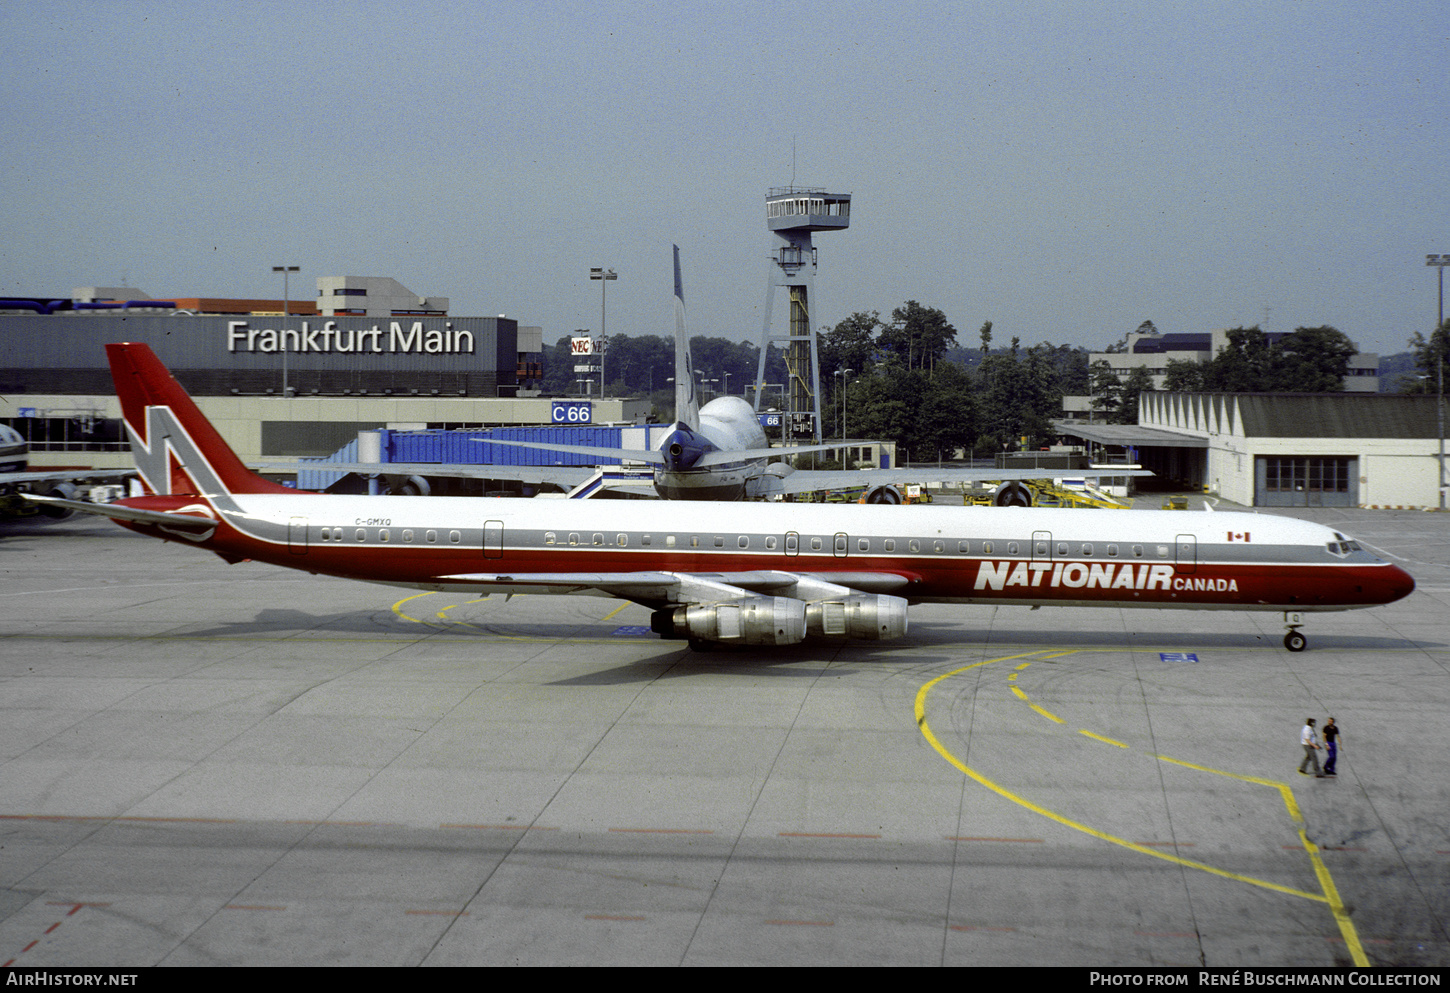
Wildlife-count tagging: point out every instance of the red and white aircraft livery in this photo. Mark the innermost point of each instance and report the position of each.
(754, 574)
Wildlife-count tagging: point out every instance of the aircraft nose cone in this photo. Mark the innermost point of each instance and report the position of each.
(1398, 584)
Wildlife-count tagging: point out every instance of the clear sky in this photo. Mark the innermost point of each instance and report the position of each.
(1063, 169)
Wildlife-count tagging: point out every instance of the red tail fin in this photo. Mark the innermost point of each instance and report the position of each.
(175, 447)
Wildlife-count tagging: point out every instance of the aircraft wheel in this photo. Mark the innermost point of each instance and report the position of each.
(1295, 642)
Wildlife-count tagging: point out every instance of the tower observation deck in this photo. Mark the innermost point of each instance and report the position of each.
(792, 215)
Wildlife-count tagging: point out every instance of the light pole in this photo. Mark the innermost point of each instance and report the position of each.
(285, 270)
(845, 452)
(1440, 262)
(604, 276)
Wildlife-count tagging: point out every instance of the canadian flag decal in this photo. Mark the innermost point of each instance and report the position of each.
(1238, 536)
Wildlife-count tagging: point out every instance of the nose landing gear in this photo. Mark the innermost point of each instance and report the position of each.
(1294, 641)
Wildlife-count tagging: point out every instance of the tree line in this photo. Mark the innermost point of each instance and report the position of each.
(1310, 360)
(905, 378)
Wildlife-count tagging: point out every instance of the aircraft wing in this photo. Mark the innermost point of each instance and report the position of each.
(748, 454)
(567, 476)
(649, 455)
(65, 476)
(681, 587)
(811, 480)
(183, 522)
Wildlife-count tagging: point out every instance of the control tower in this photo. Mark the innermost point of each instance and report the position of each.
(792, 213)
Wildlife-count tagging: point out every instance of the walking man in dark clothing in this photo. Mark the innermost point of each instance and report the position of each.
(1331, 742)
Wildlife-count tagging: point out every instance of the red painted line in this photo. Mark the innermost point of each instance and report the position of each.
(804, 834)
(129, 820)
(31, 945)
(806, 923)
(663, 830)
(1032, 841)
(52, 927)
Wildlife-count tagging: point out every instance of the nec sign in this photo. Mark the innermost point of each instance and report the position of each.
(572, 412)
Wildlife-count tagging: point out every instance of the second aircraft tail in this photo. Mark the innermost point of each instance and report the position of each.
(687, 402)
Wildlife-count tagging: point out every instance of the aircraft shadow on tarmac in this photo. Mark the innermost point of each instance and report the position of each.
(924, 637)
(1244, 640)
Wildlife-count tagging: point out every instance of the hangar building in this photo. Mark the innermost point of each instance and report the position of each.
(1286, 450)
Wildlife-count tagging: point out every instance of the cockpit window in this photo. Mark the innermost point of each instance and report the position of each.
(1343, 547)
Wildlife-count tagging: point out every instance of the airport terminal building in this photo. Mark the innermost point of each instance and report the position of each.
(366, 354)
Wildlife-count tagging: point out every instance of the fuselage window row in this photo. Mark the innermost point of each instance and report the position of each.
(771, 543)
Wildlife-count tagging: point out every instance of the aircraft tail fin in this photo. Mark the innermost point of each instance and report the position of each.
(687, 402)
(176, 449)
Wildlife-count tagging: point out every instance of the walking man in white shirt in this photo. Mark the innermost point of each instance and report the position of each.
(1310, 741)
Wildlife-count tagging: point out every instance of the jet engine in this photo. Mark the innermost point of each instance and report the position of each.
(874, 617)
(882, 493)
(63, 491)
(1014, 494)
(750, 621)
(409, 486)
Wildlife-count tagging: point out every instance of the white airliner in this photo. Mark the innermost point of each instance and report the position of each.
(731, 573)
(716, 452)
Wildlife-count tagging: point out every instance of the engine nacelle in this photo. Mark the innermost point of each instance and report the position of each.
(409, 486)
(876, 617)
(752, 621)
(63, 491)
(882, 493)
(1014, 494)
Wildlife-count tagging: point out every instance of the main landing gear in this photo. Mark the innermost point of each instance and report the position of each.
(1294, 641)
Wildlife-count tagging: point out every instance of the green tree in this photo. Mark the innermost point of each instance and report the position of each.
(947, 417)
(1183, 376)
(1017, 397)
(1107, 391)
(851, 344)
(1432, 358)
(1139, 381)
(919, 335)
(1243, 366)
(1312, 360)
